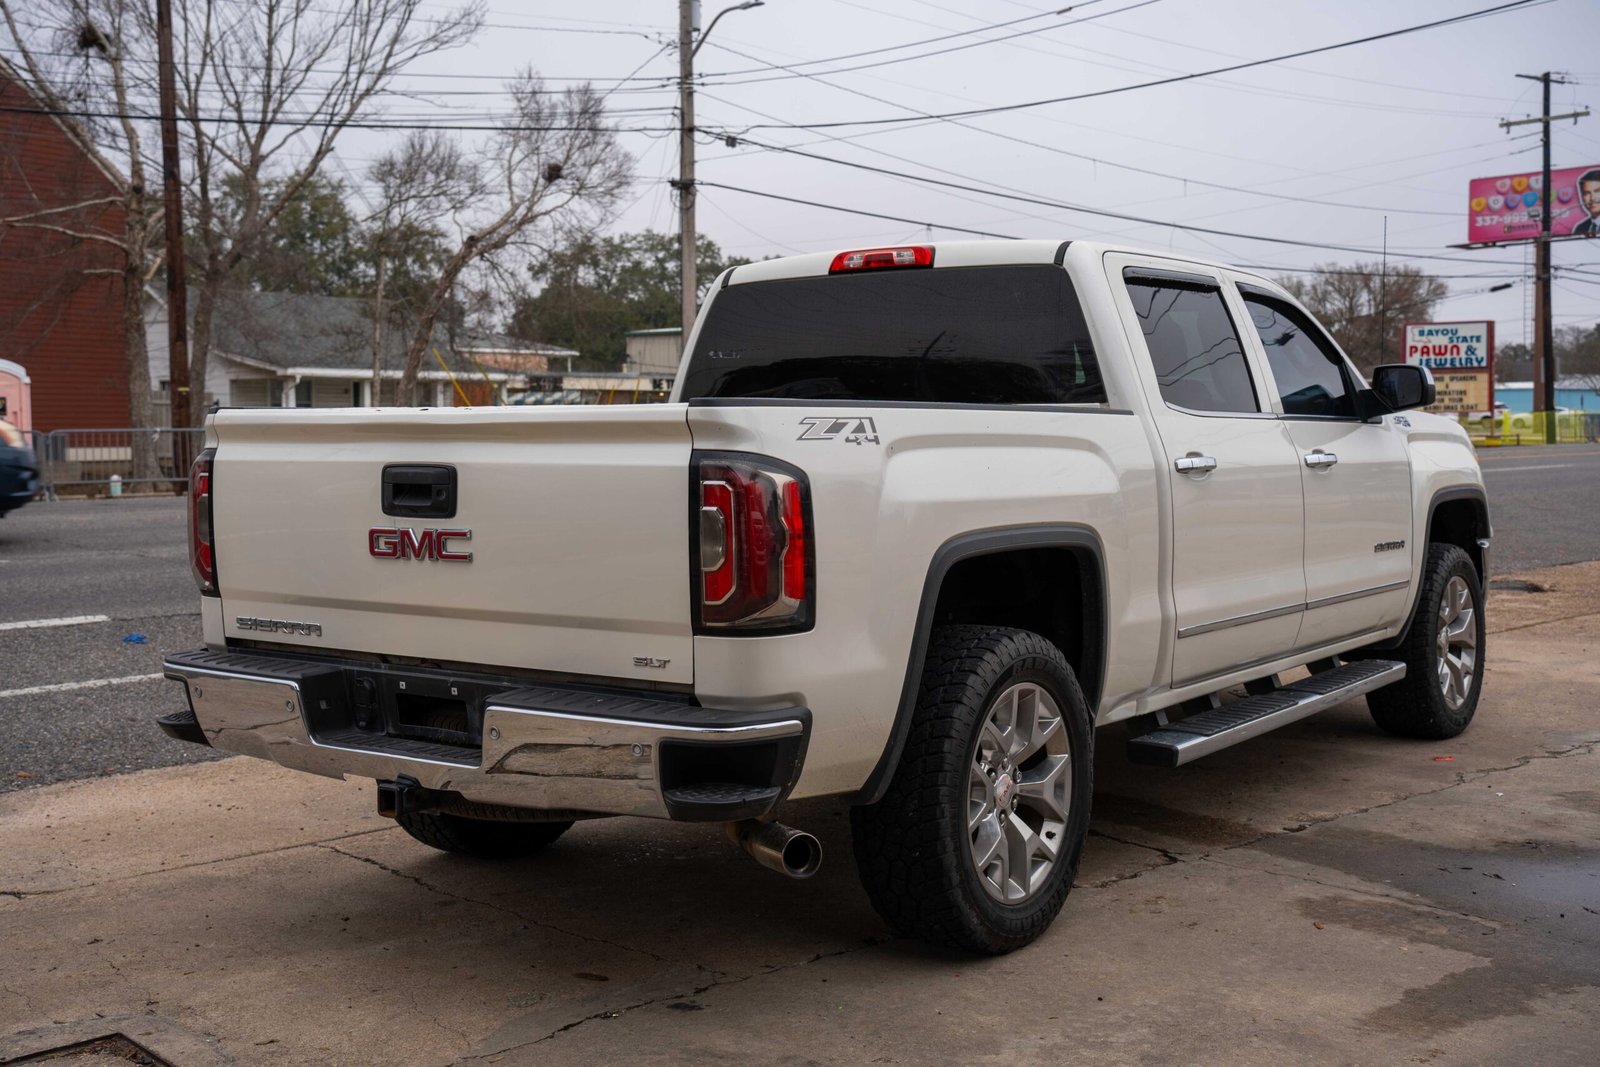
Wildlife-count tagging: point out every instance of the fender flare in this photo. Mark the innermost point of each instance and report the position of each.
(1081, 540)
(1477, 496)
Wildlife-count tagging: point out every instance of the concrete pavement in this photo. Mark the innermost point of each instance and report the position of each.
(1322, 894)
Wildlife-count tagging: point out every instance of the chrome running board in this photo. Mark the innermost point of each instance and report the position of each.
(1186, 740)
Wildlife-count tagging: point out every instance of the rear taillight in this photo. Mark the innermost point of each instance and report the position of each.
(881, 258)
(202, 554)
(753, 555)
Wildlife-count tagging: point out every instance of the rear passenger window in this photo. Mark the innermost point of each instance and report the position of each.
(1309, 370)
(1198, 359)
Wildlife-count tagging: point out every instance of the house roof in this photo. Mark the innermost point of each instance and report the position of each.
(662, 331)
(300, 330)
(498, 343)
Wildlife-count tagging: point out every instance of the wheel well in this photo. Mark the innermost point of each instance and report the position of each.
(1054, 592)
(1461, 522)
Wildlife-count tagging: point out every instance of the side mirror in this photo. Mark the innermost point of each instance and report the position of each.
(1403, 385)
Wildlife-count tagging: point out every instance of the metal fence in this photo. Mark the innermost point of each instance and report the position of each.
(93, 461)
(1534, 428)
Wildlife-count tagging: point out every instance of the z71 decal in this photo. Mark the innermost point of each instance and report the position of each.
(857, 431)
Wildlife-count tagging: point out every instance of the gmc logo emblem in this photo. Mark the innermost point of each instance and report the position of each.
(388, 542)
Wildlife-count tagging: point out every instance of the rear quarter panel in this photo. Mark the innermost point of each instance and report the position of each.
(881, 512)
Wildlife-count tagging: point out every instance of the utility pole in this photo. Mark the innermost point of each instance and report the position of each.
(1544, 344)
(688, 25)
(688, 29)
(177, 291)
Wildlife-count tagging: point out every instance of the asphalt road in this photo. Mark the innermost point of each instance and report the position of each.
(1544, 504)
(128, 560)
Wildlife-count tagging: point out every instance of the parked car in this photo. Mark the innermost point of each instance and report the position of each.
(19, 470)
(916, 522)
(1495, 416)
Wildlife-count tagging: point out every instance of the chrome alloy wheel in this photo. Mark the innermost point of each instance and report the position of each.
(1019, 792)
(1458, 642)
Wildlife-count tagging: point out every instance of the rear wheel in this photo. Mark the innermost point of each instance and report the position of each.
(488, 839)
(976, 841)
(1443, 653)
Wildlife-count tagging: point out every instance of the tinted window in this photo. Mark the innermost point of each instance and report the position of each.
(1198, 359)
(973, 335)
(1309, 371)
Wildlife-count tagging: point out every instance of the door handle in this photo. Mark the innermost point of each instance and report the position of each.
(1319, 458)
(1194, 463)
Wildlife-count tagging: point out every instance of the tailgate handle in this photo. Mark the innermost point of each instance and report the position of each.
(419, 491)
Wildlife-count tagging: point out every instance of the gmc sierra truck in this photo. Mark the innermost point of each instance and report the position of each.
(915, 523)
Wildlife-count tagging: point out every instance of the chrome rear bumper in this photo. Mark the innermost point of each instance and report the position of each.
(542, 747)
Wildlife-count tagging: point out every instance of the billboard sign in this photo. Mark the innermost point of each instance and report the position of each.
(1508, 208)
(1461, 357)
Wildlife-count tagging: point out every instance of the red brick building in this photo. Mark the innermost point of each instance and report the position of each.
(63, 324)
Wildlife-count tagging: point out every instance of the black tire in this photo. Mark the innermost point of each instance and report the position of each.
(913, 848)
(1416, 706)
(486, 839)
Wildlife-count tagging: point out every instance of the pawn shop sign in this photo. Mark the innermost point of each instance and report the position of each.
(1461, 357)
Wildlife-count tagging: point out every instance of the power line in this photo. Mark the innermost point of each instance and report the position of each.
(1143, 67)
(915, 44)
(1105, 213)
(857, 211)
(314, 123)
(1160, 174)
(1092, 94)
(920, 55)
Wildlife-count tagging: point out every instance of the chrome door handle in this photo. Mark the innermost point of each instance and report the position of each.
(1319, 458)
(1194, 463)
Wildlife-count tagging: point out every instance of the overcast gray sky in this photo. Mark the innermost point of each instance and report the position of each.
(1391, 128)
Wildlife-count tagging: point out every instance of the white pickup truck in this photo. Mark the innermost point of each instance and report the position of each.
(915, 522)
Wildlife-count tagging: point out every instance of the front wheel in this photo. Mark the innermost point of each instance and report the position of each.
(1443, 653)
(975, 843)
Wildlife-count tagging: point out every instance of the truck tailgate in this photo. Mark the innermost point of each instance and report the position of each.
(578, 521)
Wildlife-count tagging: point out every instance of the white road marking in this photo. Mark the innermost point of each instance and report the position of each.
(1529, 467)
(66, 620)
(63, 687)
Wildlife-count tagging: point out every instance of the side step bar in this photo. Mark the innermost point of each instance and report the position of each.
(1199, 735)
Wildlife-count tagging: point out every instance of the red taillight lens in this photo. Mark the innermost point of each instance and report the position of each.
(202, 553)
(879, 258)
(754, 545)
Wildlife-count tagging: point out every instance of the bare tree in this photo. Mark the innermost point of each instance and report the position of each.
(1578, 356)
(1367, 305)
(420, 186)
(265, 89)
(78, 61)
(555, 166)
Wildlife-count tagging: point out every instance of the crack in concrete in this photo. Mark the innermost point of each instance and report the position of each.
(20, 995)
(1400, 897)
(1543, 622)
(717, 980)
(493, 906)
(20, 894)
(1167, 860)
(1462, 778)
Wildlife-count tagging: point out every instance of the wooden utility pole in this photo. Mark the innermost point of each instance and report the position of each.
(177, 290)
(1544, 342)
(687, 12)
(688, 30)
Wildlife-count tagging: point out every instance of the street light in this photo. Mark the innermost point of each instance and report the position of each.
(715, 19)
(688, 47)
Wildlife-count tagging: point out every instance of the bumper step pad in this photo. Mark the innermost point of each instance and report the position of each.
(1199, 735)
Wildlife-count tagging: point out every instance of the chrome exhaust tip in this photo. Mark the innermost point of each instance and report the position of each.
(781, 848)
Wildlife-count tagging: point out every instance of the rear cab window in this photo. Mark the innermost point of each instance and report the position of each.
(1000, 335)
